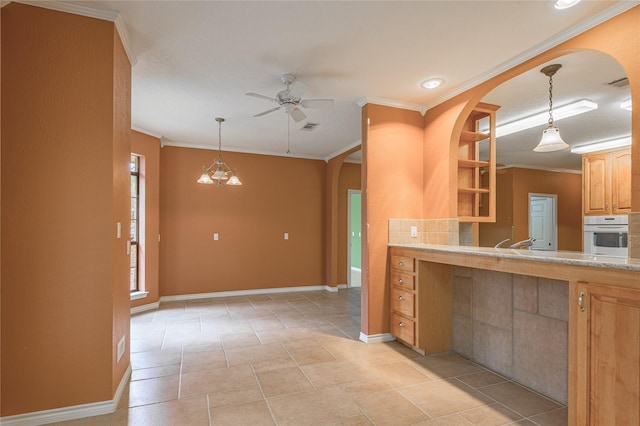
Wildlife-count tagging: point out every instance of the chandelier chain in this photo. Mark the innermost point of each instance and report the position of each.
(551, 100)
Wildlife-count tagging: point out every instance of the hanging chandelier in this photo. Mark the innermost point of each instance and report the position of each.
(219, 173)
(551, 140)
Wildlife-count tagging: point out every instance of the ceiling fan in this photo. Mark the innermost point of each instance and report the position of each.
(290, 99)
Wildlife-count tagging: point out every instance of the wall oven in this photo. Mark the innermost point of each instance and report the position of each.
(606, 235)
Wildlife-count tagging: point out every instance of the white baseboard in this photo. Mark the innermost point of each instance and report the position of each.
(342, 286)
(69, 413)
(181, 297)
(377, 338)
(144, 308)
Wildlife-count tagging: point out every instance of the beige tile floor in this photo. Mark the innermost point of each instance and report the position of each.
(294, 359)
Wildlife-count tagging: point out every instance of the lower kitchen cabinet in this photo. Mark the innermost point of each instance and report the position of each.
(607, 376)
(421, 303)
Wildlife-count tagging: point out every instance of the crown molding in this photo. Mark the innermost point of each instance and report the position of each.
(167, 142)
(391, 103)
(147, 132)
(538, 49)
(90, 12)
(541, 168)
(342, 150)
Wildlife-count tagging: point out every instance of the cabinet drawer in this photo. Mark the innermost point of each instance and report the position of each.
(403, 302)
(402, 263)
(402, 328)
(400, 279)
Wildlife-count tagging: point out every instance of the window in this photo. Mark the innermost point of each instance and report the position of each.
(134, 167)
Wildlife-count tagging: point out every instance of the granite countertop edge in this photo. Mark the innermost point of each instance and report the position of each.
(563, 257)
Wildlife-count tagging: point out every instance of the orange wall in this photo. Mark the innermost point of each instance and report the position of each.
(349, 179)
(513, 188)
(393, 186)
(65, 108)
(568, 187)
(279, 195)
(149, 147)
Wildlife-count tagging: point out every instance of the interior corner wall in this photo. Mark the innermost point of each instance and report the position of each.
(58, 209)
(568, 188)
(349, 179)
(149, 147)
(121, 214)
(279, 195)
(393, 152)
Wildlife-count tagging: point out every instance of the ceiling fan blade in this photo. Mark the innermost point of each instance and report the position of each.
(259, 96)
(267, 112)
(297, 114)
(317, 103)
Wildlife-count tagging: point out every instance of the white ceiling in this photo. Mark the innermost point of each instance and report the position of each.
(196, 60)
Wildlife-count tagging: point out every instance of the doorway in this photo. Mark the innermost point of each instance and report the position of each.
(543, 225)
(354, 238)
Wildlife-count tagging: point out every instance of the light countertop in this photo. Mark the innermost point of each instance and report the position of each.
(573, 258)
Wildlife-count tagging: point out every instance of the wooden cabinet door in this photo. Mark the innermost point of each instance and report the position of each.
(621, 182)
(608, 349)
(595, 172)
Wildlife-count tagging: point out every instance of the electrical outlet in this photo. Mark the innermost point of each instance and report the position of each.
(414, 231)
(286, 235)
(215, 237)
(120, 348)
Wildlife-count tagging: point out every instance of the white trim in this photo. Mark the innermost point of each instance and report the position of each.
(392, 103)
(146, 132)
(138, 295)
(343, 150)
(90, 12)
(144, 308)
(195, 296)
(342, 286)
(377, 338)
(536, 167)
(70, 413)
(167, 142)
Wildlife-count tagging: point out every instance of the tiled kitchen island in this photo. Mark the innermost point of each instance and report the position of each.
(562, 323)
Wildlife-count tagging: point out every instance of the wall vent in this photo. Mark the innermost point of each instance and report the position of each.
(620, 83)
(309, 127)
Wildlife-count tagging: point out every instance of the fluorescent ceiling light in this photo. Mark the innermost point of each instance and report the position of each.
(569, 110)
(602, 145)
(626, 105)
(432, 83)
(566, 4)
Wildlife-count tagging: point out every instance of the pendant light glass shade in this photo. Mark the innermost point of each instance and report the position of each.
(551, 141)
(218, 173)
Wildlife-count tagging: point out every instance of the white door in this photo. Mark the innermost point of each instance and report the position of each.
(542, 221)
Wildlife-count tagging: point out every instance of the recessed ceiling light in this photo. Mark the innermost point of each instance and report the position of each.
(432, 83)
(566, 4)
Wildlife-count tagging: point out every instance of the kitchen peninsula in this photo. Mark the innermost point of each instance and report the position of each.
(563, 323)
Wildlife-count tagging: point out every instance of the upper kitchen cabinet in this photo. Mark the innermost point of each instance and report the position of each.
(478, 135)
(607, 183)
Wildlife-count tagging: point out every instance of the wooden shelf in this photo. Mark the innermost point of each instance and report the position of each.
(473, 190)
(472, 164)
(472, 137)
(477, 174)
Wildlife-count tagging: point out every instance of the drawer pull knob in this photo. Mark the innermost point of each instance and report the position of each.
(401, 281)
(400, 324)
(401, 297)
(401, 263)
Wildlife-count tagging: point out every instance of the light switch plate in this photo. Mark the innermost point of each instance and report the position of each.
(286, 235)
(215, 237)
(118, 230)
(414, 231)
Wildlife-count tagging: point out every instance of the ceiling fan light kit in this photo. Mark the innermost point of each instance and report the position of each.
(551, 140)
(219, 173)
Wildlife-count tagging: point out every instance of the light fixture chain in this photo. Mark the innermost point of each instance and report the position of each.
(551, 100)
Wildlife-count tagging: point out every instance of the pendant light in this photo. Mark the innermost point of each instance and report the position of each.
(551, 140)
(218, 173)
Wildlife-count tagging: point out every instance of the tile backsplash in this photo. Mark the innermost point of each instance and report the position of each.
(429, 231)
